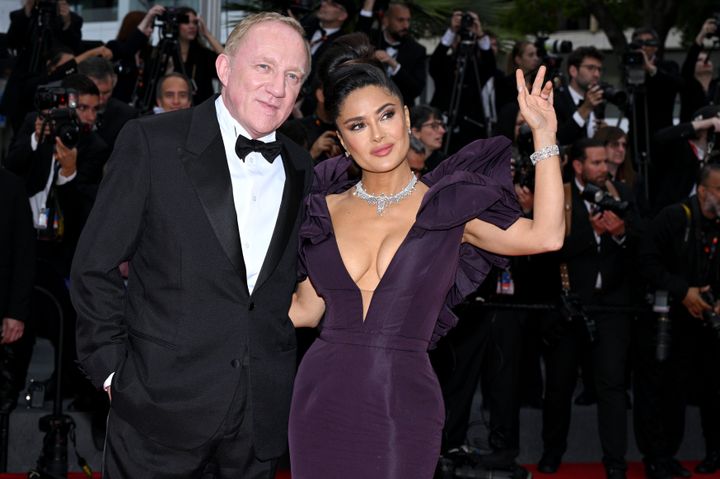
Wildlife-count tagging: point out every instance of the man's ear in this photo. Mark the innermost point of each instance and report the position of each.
(572, 71)
(223, 67)
(319, 95)
(577, 166)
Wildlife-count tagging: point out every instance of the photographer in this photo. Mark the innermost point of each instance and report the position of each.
(131, 50)
(700, 87)
(113, 113)
(402, 56)
(61, 182)
(660, 86)
(575, 104)
(464, 42)
(682, 150)
(36, 31)
(65, 26)
(598, 251)
(679, 255)
(184, 26)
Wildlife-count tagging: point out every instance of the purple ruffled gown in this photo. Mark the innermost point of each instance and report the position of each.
(366, 402)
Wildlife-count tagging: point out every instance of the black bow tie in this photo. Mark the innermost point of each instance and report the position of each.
(270, 151)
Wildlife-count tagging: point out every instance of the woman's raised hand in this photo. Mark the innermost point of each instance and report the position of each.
(536, 106)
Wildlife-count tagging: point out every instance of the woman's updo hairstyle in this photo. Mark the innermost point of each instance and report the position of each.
(358, 70)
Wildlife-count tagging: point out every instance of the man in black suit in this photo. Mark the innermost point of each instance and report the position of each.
(403, 57)
(17, 268)
(321, 29)
(598, 253)
(575, 104)
(113, 112)
(197, 352)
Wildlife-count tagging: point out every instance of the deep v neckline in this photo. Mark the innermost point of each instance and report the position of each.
(390, 266)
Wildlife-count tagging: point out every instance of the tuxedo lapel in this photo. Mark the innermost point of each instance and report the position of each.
(291, 198)
(206, 165)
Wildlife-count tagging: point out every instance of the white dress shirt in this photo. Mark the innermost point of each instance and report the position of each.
(588, 124)
(257, 192)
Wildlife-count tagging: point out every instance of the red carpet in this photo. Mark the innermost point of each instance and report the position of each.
(566, 471)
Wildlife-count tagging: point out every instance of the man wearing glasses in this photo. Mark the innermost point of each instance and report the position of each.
(575, 103)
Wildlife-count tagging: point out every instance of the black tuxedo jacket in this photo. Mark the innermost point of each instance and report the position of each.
(116, 114)
(568, 129)
(613, 260)
(186, 328)
(17, 248)
(411, 56)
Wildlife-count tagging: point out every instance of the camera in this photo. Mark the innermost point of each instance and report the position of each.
(549, 50)
(613, 95)
(603, 200)
(711, 317)
(56, 106)
(169, 22)
(467, 34)
(547, 45)
(633, 63)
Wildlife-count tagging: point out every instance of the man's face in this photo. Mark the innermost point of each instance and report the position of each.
(703, 67)
(587, 74)
(174, 94)
(594, 168)
(106, 88)
(263, 78)
(331, 14)
(87, 109)
(709, 195)
(645, 38)
(397, 21)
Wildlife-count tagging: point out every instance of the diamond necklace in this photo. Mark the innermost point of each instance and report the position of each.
(382, 200)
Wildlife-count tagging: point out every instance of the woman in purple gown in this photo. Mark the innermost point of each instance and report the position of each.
(382, 262)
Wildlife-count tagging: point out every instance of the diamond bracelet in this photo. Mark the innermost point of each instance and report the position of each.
(544, 153)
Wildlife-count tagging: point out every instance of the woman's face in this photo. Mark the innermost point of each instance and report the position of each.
(700, 65)
(373, 128)
(616, 150)
(188, 31)
(528, 59)
(431, 133)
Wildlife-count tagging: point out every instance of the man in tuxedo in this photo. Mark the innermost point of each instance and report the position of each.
(403, 57)
(576, 102)
(321, 29)
(113, 112)
(197, 352)
(598, 252)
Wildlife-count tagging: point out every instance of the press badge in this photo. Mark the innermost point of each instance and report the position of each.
(42, 221)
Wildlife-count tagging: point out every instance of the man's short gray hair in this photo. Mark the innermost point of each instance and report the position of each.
(244, 26)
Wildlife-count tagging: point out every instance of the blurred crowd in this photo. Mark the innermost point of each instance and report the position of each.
(627, 309)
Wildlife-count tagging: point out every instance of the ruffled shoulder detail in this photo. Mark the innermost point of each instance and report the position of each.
(331, 176)
(476, 182)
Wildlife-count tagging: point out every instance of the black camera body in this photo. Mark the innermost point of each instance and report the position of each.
(56, 106)
(549, 51)
(169, 22)
(603, 200)
(466, 32)
(613, 95)
(711, 317)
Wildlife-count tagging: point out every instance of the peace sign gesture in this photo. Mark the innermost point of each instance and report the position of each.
(536, 106)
